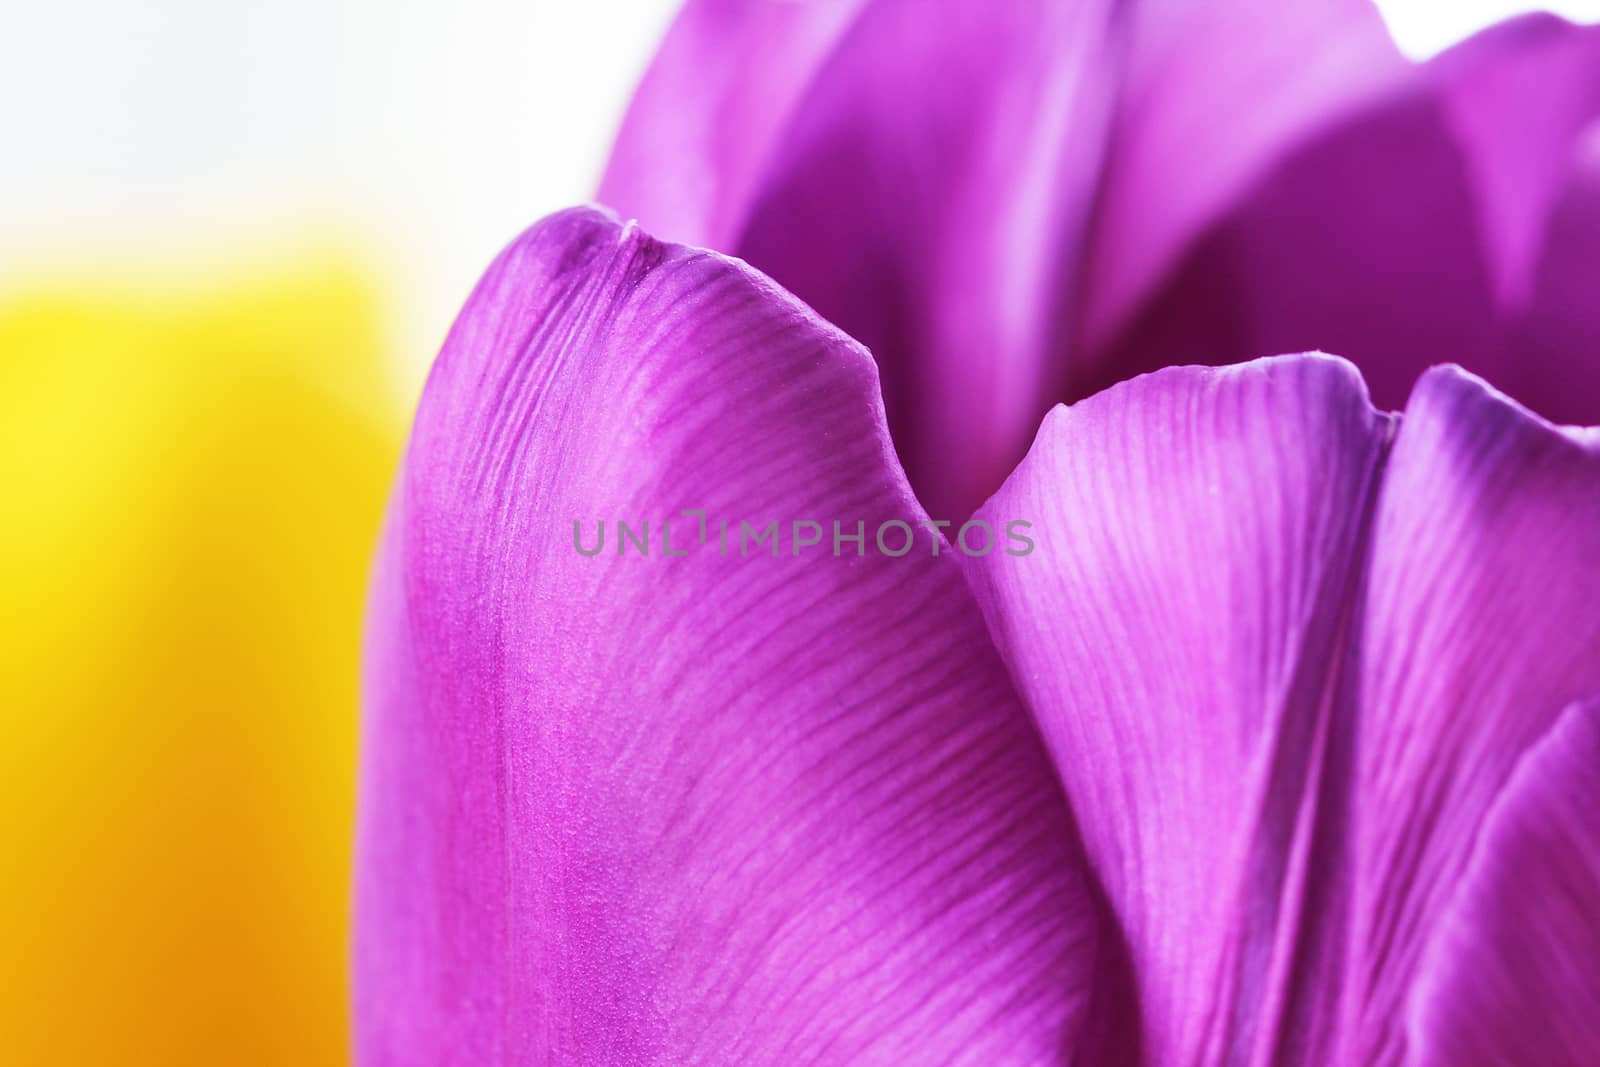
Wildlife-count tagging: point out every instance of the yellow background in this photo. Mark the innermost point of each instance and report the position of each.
(194, 470)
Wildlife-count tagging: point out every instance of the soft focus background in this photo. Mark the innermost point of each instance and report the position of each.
(231, 237)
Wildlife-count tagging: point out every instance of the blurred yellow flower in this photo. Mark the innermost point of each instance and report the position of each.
(194, 472)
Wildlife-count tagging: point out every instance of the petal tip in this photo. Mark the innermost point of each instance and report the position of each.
(1474, 399)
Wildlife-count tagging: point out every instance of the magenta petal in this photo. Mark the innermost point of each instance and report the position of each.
(1015, 204)
(1518, 97)
(922, 179)
(1214, 95)
(1175, 632)
(710, 110)
(1286, 651)
(1511, 977)
(930, 197)
(1363, 241)
(1434, 221)
(938, 183)
(1480, 626)
(698, 809)
(1552, 361)
(1524, 101)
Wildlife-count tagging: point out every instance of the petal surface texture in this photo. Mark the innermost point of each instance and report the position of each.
(1479, 629)
(1286, 652)
(742, 808)
(1512, 976)
(1196, 531)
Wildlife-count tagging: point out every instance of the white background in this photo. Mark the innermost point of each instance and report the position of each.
(429, 133)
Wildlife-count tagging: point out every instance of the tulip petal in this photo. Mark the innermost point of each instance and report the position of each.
(1175, 633)
(1285, 654)
(922, 181)
(936, 186)
(1517, 97)
(692, 809)
(1059, 209)
(1552, 362)
(709, 112)
(1278, 75)
(1511, 975)
(1417, 224)
(1363, 241)
(1480, 627)
(929, 197)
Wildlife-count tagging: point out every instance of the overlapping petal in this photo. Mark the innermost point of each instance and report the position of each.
(1517, 99)
(1510, 978)
(731, 808)
(1197, 535)
(1215, 95)
(1286, 655)
(1012, 205)
(929, 197)
(933, 189)
(1363, 241)
(1523, 100)
(710, 111)
(1479, 628)
(1418, 223)
(1552, 360)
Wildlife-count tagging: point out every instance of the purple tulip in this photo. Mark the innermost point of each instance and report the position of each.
(1271, 735)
